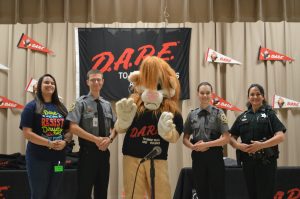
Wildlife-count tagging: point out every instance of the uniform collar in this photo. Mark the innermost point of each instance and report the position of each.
(208, 109)
(90, 96)
(263, 108)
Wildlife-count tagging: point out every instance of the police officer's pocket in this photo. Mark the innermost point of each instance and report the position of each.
(88, 115)
(212, 126)
(194, 124)
(108, 115)
(262, 125)
(263, 120)
(87, 119)
(244, 126)
(107, 119)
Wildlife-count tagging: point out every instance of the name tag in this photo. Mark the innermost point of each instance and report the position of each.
(58, 168)
(95, 122)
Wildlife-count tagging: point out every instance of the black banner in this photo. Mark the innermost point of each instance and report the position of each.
(117, 52)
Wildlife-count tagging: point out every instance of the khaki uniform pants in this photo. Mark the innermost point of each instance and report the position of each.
(143, 180)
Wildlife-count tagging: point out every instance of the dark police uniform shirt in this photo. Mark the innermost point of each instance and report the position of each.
(142, 135)
(257, 126)
(206, 124)
(84, 113)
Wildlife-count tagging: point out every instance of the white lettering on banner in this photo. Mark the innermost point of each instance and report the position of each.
(225, 105)
(123, 75)
(9, 104)
(37, 46)
(277, 56)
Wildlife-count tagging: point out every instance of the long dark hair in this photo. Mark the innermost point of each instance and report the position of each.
(40, 101)
(262, 92)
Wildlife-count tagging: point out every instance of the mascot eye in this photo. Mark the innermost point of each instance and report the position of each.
(158, 87)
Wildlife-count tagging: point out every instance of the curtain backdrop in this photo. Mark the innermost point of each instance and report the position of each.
(238, 40)
(154, 11)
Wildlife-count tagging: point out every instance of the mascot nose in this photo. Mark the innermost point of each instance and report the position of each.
(152, 95)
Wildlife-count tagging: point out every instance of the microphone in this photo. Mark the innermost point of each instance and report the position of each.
(152, 154)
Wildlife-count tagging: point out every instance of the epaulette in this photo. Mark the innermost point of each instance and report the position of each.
(215, 111)
(268, 109)
(215, 108)
(104, 100)
(193, 110)
(82, 98)
(244, 113)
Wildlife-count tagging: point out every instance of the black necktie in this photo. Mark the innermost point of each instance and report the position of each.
(203, 113)
(101, 123)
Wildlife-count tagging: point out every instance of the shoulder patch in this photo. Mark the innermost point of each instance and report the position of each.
(72, 107)
(223, 118)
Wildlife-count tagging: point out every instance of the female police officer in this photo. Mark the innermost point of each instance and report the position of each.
(208, 126)
(261, 132)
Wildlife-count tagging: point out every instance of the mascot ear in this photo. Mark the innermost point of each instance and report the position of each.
(171, 91)
(135, 78)
(173, 83)
(173, 86)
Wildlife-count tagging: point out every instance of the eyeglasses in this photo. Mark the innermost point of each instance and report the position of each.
(96, 79)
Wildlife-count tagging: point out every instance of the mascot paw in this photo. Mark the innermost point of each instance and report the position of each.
(126, 110)
(165, 124)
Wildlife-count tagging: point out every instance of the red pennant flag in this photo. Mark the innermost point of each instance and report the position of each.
(27, 42)
(221, 103)
(283, 102)
(6, 103)
(267, 54)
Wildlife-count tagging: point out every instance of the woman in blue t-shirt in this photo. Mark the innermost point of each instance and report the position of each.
(44, 126)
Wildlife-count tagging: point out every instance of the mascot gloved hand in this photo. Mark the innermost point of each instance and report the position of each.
(126, 110)
(166, 127)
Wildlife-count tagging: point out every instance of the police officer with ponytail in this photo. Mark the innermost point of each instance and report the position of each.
(209, 130)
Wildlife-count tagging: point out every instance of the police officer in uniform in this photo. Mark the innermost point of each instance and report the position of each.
(261, 132)
(92, 120)
(209, 129)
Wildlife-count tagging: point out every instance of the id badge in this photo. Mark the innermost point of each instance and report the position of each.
(58, 168)
(95, 122)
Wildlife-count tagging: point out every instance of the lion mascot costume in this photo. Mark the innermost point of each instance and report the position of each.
(150, 118)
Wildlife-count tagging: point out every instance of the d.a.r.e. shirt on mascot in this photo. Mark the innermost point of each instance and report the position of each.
(149, 117)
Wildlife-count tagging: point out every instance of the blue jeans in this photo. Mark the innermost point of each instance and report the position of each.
(44, 182)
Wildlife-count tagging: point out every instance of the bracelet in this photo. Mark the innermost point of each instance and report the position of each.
(111, 139)
(49, 144)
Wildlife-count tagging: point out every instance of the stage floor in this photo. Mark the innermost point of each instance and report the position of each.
(14, 184)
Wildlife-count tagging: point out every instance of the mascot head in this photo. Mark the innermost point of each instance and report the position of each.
(155, 86)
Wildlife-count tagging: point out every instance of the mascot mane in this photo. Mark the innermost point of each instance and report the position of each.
(156, 75)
